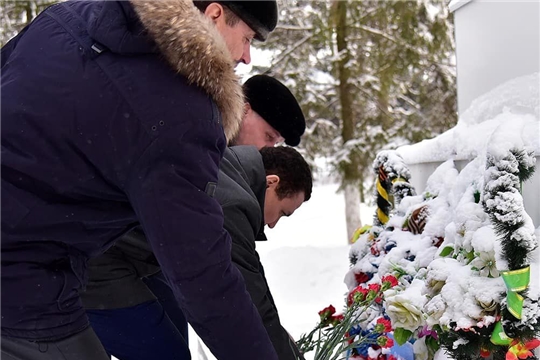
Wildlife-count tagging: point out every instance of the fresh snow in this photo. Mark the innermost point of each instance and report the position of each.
(506, 116)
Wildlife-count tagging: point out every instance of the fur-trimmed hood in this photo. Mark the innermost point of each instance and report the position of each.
(192, 45)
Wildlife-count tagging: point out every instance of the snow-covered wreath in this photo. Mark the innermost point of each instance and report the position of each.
(461, 252)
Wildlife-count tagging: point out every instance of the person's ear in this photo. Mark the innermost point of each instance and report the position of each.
(272, 181)
(247, 108)
(214, 11)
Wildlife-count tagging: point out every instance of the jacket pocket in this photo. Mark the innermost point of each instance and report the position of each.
(74, 271)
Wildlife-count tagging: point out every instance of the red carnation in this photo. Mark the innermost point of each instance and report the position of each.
(389, 281)
(383, 325)
(385, 342)
(358, 294)
(361, 278)
(330, 309)
(334, 320)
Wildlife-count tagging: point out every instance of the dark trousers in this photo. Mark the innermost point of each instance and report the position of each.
(81, 346)
(141, 332)
(158, 285)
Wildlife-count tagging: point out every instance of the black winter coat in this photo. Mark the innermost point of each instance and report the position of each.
(115, 277)
(108, 121)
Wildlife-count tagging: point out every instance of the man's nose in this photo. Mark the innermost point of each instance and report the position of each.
(246, 55)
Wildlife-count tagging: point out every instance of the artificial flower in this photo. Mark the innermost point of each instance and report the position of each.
(485, 263)
(403, 312)
(485, 353)
(435, 309)
(426, 331)
(520, 350)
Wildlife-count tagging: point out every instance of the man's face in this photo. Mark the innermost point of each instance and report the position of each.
(256, 131)
(237, 37)
(274, 207)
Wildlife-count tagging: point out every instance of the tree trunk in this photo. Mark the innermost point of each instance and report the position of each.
(350, 180)
(352, 209)
(362, 190)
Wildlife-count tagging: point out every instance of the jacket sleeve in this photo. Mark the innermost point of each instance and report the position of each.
(246, 259)
(184, 226)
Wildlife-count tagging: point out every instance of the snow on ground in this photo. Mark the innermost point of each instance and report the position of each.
(305, 261)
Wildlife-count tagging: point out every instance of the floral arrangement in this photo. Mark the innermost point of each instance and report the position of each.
(338, 336)
(461, 255)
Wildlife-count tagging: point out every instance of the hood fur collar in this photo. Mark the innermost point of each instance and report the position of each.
(192, 45)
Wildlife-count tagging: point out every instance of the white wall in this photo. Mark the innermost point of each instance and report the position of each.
(495, 41)
(531, 189)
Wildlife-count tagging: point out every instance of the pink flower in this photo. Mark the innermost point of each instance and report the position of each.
(425, 331)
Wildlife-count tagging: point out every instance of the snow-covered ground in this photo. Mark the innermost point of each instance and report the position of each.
(305, 260)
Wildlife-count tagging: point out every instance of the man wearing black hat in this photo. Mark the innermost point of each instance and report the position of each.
(115, 114)
(272, 114)
(122, 306)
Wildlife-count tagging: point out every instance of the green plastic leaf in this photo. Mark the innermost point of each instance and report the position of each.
(446, 251)
(401, 335)
(432, 344)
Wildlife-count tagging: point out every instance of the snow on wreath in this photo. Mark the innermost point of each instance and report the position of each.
(445, 271)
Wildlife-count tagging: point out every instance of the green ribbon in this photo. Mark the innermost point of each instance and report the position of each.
(516, 281)
(360, 231)
(499, 337)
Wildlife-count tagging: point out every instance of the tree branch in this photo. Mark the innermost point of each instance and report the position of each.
(289, 51)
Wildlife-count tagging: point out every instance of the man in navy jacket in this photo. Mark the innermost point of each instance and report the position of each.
(125, 281)
(114, 114)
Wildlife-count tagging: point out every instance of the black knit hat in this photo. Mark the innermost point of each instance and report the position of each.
(275, 103)
(260, 15)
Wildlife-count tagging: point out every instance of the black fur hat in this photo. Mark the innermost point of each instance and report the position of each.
(261, 16)
(275, 103)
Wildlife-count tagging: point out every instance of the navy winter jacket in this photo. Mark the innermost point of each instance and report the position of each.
(114, 113)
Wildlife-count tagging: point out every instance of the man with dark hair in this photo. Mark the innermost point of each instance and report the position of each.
(254, 188)
(109, 120)
(121, 294)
